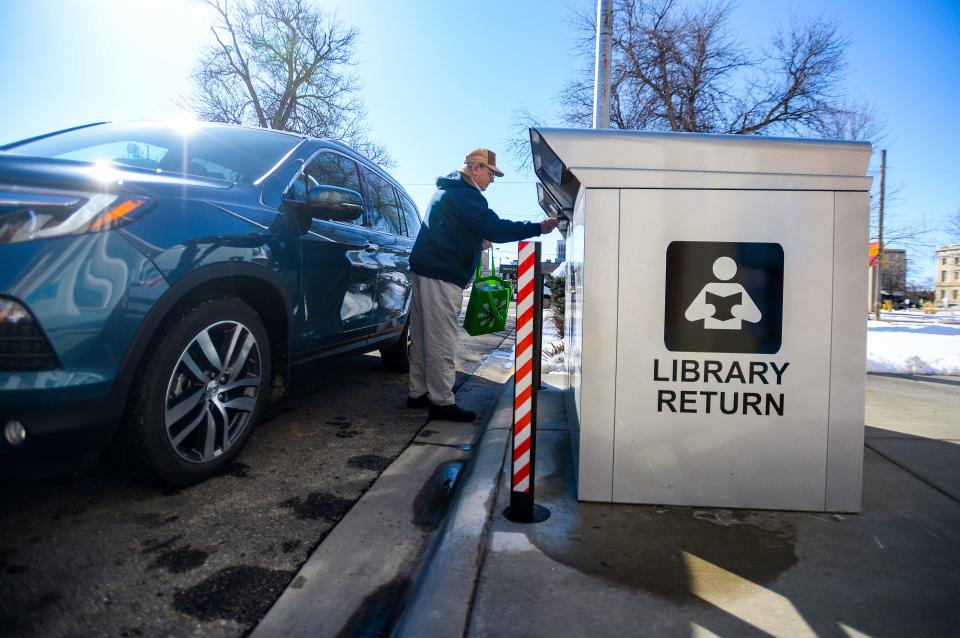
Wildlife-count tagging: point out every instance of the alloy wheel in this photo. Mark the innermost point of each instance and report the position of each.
(212, 392)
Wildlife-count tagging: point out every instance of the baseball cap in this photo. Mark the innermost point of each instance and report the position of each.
(486, 157)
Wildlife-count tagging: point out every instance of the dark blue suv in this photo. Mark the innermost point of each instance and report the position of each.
(158, 283)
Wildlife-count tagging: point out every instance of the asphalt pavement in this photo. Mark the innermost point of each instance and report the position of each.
(95, 554)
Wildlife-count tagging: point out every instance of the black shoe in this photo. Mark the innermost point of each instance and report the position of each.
(419, 402)
(451, 413)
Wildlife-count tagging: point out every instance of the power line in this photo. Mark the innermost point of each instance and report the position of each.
(532, 181)
(508, 181)
(923, 170)
(539, 216)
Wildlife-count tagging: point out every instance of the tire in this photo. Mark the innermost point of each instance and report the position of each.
(396, 357)
(199, 394)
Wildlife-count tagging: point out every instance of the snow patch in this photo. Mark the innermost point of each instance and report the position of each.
(913, 348)
(552, 347)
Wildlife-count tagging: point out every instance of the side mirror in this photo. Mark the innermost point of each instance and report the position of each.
(333, 203)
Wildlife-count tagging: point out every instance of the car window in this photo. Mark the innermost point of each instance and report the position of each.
(384, 208)
(150, 156)
(234, 154)
(334, 169)
(127, 153)
(331, 169)
(410, 216)
(209, 168)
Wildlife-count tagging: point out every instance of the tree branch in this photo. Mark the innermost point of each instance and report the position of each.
(282, 64)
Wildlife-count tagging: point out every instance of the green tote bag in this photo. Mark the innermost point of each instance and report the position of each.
(488, 305)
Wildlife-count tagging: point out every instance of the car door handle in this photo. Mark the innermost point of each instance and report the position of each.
(371, 248)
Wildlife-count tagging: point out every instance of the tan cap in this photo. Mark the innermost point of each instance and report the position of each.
(486, 157)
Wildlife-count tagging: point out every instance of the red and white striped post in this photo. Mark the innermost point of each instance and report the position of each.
(526, 383)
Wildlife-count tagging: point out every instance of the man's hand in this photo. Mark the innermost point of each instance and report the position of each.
(548, 225)
(486, 244)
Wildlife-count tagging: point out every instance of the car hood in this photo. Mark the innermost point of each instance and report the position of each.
(20, 170)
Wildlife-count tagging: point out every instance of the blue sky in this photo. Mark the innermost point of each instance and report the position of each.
(441, 78)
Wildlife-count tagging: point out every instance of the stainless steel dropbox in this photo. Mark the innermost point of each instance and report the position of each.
(715, 329)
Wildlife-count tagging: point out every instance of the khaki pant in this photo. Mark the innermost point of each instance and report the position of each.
(434, 338)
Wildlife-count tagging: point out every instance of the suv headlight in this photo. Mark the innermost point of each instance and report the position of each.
(29, 215)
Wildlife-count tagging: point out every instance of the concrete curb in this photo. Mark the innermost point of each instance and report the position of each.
(357, 580)
(444, 586)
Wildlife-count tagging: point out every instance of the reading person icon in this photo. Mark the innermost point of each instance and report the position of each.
(723, 306)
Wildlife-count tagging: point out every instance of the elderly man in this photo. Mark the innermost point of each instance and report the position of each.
(458, 225)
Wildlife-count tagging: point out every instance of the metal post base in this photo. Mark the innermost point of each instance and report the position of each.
(535, 514)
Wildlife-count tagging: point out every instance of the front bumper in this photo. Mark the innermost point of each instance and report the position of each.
(61, 427)
(89, 295)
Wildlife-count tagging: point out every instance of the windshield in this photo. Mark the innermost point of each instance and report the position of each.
(221, 152)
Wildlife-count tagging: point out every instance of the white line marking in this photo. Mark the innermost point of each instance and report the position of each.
(524, 357)
(524, 280)
(522, 410)
(524, 330)
(523, 436)
(523, 383)
(521, 462)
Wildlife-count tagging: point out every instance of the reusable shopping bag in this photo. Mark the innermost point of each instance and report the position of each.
(488, 305)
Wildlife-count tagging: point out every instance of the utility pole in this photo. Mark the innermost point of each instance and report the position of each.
(883, 178)
(601, 75)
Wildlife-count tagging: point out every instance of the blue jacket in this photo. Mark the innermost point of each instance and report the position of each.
(451, 238)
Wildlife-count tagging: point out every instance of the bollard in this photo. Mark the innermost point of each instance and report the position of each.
(522, 508)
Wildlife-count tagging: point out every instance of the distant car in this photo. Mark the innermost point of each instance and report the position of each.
(157, 284)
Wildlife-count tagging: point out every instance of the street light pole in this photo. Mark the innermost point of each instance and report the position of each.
(601, 75)
(883, 176)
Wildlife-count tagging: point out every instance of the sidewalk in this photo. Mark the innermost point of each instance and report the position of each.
(629, 570)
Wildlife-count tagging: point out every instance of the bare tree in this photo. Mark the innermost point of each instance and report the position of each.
(518, 145)
(854, 121)
(894, 270)
(920, 288)
(676, 67)
(953, 227)
(286, 65)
